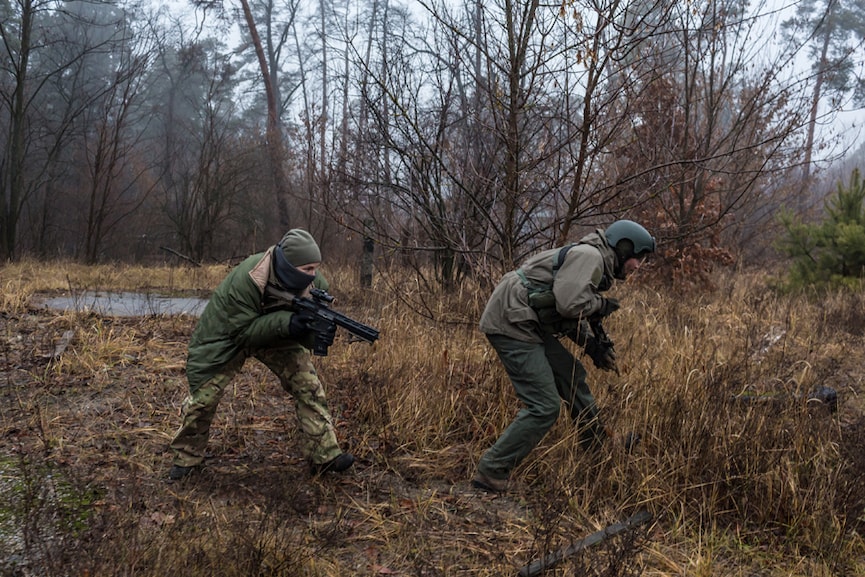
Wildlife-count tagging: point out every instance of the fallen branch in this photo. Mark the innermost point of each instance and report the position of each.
(538, 566)
(177, 254)
(821, 396)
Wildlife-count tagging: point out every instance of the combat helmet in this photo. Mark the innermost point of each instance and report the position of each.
(629, 240)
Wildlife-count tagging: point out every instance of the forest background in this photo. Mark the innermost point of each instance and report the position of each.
(459, 135)
(437, 144)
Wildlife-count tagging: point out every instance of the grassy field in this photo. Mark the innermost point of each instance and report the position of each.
(743, 476)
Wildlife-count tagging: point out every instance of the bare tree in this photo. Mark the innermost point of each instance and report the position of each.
(496, 133)
(213, 165)
(275, 141)
(116, 168)
(40, 103)
(513, 127)
(716, 125)
(462, 153)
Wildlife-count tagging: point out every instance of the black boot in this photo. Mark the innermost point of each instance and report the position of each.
(178, 472)
(337, 464)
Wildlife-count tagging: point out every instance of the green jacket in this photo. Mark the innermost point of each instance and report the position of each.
(586, 271)
(235, 319)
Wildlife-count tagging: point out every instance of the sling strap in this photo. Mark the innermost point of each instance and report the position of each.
(558, 261)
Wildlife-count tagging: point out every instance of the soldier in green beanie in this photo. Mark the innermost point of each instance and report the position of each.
(248, 315)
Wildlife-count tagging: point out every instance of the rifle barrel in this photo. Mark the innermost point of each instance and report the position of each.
(356, 328)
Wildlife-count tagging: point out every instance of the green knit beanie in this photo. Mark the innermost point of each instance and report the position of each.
(299, 247)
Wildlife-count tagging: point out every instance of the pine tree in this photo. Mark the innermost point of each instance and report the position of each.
(830, 253)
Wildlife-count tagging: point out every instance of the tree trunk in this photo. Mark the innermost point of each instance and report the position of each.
(11, 197)
(366, 263)
(815, 102)
(275, 143)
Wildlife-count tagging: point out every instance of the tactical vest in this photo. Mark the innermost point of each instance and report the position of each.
(543, 301)
(541, 295)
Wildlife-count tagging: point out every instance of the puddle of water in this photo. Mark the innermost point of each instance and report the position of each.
(124, 304)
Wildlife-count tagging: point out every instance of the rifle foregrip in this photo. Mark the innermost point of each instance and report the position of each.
(325, 313)
(356, 328)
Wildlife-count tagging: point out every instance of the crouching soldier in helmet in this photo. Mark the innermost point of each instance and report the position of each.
(555, 293)
(248, 316)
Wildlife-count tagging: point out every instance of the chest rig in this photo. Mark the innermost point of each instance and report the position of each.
(541, 295)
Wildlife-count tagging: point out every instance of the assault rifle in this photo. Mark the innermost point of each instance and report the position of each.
(603, 354)
(327, 319)
(600, 334)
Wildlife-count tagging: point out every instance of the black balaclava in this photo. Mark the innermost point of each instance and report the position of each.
(297, 248)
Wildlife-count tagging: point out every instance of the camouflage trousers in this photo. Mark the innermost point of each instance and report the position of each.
(297, 375)
(543, 375)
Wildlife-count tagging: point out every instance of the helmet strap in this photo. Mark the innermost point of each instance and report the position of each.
(624, 250)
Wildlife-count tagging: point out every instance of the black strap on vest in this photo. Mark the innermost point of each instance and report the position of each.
(560, 259)
(557, 264)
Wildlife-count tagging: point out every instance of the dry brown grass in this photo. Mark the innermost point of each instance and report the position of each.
(770, 487)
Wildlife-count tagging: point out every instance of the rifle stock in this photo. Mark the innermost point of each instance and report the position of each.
(327, 319)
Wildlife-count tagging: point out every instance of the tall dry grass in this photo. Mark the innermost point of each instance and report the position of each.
(742, 473)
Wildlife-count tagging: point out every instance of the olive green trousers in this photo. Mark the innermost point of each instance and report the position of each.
(293, 366)
(543, 375)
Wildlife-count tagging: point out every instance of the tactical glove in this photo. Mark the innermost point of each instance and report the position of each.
(602, 354)
(608, 307)
(578, 334)
(300, 323)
